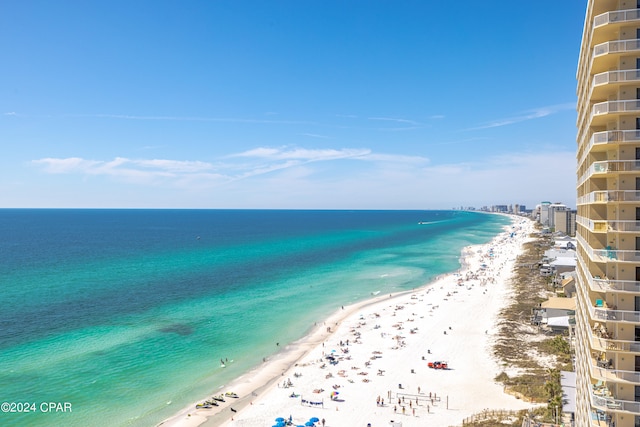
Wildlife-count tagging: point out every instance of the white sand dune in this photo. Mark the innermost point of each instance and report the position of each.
(381, 349)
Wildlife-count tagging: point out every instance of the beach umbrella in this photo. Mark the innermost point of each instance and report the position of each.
(314, 419)
(308, 424)
(279, 419)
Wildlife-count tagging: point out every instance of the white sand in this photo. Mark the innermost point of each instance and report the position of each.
(390, 342)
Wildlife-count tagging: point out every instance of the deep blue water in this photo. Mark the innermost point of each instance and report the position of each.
(126, 313)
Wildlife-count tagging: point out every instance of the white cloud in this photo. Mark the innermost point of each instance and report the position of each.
(303, 153)
(393, 119)
(268, 177)
(68, 165)
(535, 113)
(188, 119)
(314, 135)
(124, 168)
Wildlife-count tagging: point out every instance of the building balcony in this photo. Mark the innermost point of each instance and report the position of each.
(609, 404)
(619, 196)
(614, 107)
(603, 226)
(617, 16)
(609, 315)
(597, 284)
(606, 56)
(603, 139)
(602, 340)
(607, 167)
(620, 76)
(607, 285)
(601, 371)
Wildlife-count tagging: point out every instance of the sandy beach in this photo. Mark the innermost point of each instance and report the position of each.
(369, 362)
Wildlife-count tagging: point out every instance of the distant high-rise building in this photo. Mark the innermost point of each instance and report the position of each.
(544, 213)
(565, 221)
(608, 216)
(552, 209)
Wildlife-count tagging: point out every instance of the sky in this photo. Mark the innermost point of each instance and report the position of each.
(288, 104)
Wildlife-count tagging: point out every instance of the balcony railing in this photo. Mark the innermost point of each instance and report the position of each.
(597, 284)
(616, 16)
(620, 76)
(609, 196)
(609, 107)
(606, 285)
(602, 314)
(603, 343)
(610, 166)
(605, 314)
(608, 254)
(591, 225)
(624, 226)
(616, 166)
(614, 375)
(606, 403)
(616, 46)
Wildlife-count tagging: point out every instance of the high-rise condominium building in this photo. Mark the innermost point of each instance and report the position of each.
(608, 216)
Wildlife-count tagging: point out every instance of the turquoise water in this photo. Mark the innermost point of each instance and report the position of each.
(125, 314)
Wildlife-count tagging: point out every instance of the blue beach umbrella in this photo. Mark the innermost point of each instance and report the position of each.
(315, 419)
(279, 419)
(308, 423)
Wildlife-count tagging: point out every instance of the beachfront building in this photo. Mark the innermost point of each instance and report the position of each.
(608, 216)
(543, 212)
(565, 221)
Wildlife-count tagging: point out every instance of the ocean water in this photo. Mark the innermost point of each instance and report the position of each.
(122, 316)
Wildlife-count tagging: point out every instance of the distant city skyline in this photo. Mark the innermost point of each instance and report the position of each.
(285, 104)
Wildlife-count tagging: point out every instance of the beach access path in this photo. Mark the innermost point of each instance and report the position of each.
(368, 363)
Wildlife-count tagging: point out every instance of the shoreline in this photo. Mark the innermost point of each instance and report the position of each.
(250, 386)
(257, 388)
